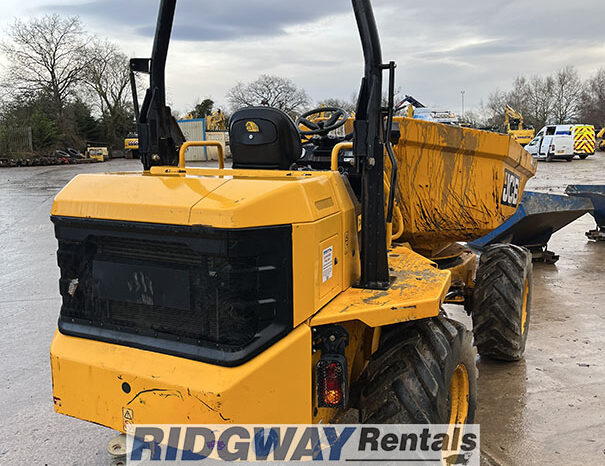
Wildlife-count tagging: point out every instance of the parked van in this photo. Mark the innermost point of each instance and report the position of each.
(584, 137)
(553, 142)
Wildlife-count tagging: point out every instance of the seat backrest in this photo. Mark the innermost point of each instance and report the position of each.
(264, 138)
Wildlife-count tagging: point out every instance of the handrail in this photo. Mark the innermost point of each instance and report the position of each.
(336, 151)
(188, 144)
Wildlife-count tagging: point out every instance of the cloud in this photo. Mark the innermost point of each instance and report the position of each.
(206, 21)
(442, 47)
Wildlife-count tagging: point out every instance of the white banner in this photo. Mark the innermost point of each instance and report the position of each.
(316, 444)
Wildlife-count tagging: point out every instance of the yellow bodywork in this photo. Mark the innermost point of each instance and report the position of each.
(88, 375)
(324, 215)
(523, 136)
(89, 378)
(451, 182)
(450, 186)
(417, 291)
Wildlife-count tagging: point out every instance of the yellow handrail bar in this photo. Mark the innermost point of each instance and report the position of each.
(188, 144)
(337, 148)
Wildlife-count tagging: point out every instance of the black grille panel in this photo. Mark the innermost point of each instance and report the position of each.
(219, 296)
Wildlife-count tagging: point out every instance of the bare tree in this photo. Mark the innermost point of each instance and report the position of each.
(593, 100)
(46, 55)
(108, 78)
(517, 98)
(539, 100)
(348, 105)
(108, 75)
(567, 95)
(496, 102)
(271, 91)
(534, 98)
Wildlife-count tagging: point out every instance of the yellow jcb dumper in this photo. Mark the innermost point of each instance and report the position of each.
(302, 282)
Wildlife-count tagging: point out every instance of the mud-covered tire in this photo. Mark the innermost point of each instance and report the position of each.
(502, 302)
(408, 379)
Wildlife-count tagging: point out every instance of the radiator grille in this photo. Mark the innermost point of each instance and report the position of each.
(208, 294)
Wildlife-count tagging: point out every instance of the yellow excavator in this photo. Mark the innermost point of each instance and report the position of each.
(306, 280)
(515, 127)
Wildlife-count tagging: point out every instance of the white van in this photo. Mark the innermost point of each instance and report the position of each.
(553, 142)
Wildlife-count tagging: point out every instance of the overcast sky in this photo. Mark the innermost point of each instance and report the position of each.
(441, 46)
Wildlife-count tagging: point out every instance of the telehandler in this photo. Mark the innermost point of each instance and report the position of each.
(305, 281)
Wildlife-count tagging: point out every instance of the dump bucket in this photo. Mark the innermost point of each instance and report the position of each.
(456, 184)
(539, 216)
(596, 193)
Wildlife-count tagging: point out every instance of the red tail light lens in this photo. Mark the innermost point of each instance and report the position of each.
(331, 382)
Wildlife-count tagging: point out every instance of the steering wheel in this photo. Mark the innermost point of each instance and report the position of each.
(322, 128)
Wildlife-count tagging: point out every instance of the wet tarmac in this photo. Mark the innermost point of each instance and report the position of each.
(546, 409)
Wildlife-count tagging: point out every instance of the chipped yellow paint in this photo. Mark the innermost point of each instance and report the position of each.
(88, 378)
(417, 291)
(451, 181)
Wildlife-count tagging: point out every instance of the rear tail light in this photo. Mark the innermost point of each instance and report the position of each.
(552, 148)
(331, 371)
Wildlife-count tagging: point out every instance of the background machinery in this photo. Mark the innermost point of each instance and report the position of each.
(515, 127)
(601, 139)
(216, 121)
(131, 146)
(289, 289)
(413, 108)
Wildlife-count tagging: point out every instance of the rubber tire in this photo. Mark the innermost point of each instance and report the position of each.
(498, 302)
(73, 152)
(583, 156)
(569, 159)
(407, 380)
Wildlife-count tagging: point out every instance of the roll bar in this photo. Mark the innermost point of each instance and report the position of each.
(160, 136)
(368, 149)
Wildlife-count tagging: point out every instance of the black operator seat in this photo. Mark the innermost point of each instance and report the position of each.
(264, 138)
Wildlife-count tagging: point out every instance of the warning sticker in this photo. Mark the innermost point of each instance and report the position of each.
(327, 264)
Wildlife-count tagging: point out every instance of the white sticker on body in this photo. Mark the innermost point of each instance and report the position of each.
(327, 264)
